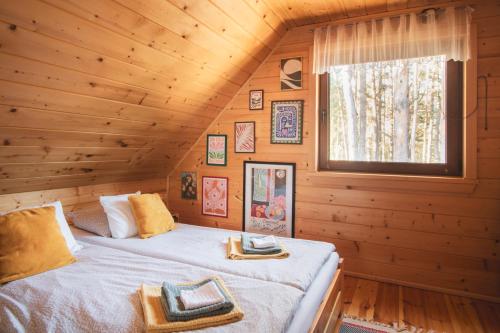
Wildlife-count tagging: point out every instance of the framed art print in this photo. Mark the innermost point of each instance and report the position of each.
(256, 100)
(244, 137)
(286, 121)
(269, 198)
(188, 186)
(291, 73)
(214, 198)
(217, 149)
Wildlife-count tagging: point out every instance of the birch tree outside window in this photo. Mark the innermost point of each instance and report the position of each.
(391, 93)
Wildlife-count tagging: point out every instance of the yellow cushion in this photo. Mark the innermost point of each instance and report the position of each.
(31, 242)
(151, 215)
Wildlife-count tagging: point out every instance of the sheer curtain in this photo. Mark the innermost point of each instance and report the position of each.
(433, 32)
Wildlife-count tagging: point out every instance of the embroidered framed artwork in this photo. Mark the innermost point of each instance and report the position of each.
(291, 73)
(256, 100)
(217, 149)
(269, 198)
(188, 186)
(214, 199)
(244, 137)
(286, 121)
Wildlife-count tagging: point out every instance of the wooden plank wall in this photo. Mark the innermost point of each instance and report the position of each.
(406, 231)
(104, 91)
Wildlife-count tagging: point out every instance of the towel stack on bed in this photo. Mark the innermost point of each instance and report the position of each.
(255, 247)
(173, 308)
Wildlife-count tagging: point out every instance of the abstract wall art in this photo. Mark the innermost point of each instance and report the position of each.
(188, 186)
(244, 137)
(269, 198)
(286, 121)
(217, 149)
(291, 73)
(214, 199)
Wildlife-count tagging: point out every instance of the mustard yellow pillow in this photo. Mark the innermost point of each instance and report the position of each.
(151, 215)
(31, 242)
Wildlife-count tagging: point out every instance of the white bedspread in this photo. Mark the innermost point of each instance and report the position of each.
(206, 247)
(98, 294)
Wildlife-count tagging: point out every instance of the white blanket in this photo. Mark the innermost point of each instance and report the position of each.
(98, 294)
(206, 247)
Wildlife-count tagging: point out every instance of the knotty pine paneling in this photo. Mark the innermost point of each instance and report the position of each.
(392, 230)
(107, 91)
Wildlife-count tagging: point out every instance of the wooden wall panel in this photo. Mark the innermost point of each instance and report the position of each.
(424, 233)
(103, 91)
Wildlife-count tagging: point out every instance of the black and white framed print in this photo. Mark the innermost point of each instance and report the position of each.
(291, 73)
(256, 100)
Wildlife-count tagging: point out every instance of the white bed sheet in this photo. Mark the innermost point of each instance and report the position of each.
(206, 247)
(98, 294)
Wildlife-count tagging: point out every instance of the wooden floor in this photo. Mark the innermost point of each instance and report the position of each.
(389, 303)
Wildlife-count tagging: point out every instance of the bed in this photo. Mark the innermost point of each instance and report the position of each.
(98, 292)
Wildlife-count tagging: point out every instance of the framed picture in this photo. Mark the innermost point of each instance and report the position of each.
(269, 198)
(291, 73)
(256, 100)
(189, 189)
(214, 199)
(286, 121)
(244, 137)
(217, 149)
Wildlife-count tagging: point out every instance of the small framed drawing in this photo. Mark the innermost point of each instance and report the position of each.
(244, 137)
(217, 149)
(269, 198)
(214, 199)
(188, 186)
(286, 121)
(291, 73)
(256, 100)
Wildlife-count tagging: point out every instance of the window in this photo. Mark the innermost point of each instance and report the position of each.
(399, 117)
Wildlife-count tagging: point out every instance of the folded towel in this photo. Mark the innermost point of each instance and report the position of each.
(247, 248)
(156, 321)
(175, 309)
(207, 294)
(263, 242)
(235, 251)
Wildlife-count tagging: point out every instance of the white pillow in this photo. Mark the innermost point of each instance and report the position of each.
(120, 217)
(73, 246)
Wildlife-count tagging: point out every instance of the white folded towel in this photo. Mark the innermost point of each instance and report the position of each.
(264, 242)
(205, 295)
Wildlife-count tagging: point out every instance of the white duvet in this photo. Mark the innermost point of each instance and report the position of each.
(98, 294)
(206, 247)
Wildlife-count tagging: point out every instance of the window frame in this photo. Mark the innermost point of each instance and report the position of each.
(454, 135)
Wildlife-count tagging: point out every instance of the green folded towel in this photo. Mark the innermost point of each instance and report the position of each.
(247, 247)
(174, 309)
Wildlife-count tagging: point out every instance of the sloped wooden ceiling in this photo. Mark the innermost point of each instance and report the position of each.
(101, 91)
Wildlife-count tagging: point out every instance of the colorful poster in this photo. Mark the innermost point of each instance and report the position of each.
(214, 200)
(286, 121)
(269, 198)
(217, 149)
(188, 186)
(244, 137)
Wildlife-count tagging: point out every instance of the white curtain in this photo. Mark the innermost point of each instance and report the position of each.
(432, 32)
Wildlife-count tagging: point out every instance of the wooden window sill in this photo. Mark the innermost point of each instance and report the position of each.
(395, 183)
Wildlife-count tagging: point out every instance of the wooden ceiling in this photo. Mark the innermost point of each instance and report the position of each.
(100, 91)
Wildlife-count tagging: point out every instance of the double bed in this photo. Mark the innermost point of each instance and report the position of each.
(98, 293)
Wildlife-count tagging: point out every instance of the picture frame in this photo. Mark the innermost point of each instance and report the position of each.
(269, 198)
(286, 122)
(216, 149)
(244, 137)
(256, 99)
(291, 73)
(189, 188)
(214, 200)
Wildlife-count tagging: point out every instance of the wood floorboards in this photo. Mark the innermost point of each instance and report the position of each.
(390, 303)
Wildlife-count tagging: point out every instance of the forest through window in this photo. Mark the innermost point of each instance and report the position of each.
(390, 111)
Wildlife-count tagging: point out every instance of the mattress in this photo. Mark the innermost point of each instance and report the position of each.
(206, 247)
(98, 293)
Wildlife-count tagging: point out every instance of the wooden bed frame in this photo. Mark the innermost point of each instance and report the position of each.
(328, 317)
